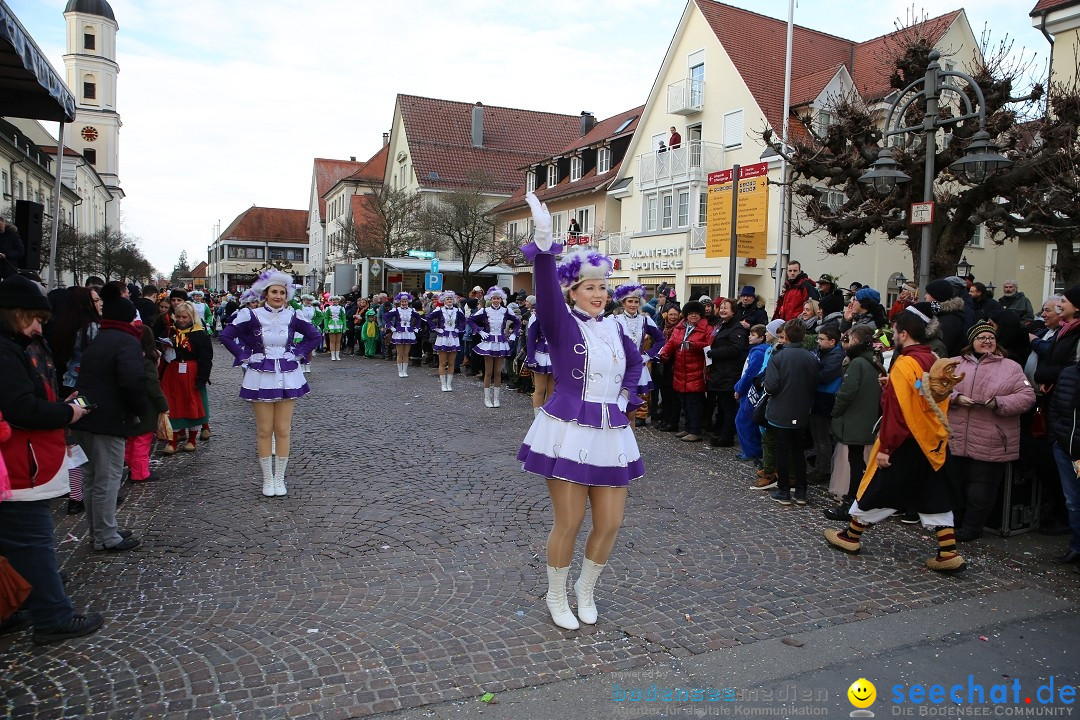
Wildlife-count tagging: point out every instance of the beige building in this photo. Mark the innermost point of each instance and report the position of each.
(719, 85)
(574, 185)
(257, 235)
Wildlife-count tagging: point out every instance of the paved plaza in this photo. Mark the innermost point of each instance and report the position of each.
(404, 570)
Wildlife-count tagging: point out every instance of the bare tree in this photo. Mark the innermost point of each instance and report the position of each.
(465, 221)
(828, 162)
(389, 223)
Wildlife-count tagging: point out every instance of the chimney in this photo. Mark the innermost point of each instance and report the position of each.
(352, 158)
(385, 139)
(478, 125)
(588, 122)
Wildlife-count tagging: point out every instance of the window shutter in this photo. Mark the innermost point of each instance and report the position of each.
(733, 129)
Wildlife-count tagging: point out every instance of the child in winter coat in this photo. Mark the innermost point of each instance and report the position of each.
(830, 355)
(141, 441)
(749, 431)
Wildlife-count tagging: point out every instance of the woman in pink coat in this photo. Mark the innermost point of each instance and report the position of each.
(984, 417)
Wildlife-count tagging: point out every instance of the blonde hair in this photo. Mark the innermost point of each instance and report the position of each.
(186, 306)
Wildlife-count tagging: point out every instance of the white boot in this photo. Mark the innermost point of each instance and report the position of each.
(279, 475)
(267, 464)
(488, 393)
(583, 588)
(495, 397)
(536, 411)
(557, 604)
(405, 369)
(450, 382)
(442, 382)
(400, 370)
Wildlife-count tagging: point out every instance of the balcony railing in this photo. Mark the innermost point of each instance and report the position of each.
(618, 243)
(686, 97)
(697, 238)
(692, 160)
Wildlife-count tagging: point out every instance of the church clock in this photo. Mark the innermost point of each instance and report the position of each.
(89, 133)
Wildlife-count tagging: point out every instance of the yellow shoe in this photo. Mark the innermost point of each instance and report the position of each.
(952, 564)
(168, 449)
(189, 447)
(839, 540)
(205, 434)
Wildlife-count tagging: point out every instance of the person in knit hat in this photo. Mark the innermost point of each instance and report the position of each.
(111, 379)
(951, 315)
(185, 375)
(750, 310)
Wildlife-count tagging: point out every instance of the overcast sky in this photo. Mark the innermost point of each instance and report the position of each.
(225, 103)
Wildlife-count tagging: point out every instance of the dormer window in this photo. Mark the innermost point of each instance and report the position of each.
(822, 122)
(530, 181)
(576, 165)
(603, 160)
(553, 175)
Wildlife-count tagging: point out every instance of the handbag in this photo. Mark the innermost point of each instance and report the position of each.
(13, 589)
(164, 427)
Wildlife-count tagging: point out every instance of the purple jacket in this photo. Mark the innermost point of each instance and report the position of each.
(576, 386)
(243, 338)
(480, 322)
(393, 321)
(534, 341)
(977, 431)
(436, 320)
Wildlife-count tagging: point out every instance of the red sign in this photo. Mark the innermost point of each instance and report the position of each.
(395, 278)
(721, 177)
(755, 170)
(578, 239)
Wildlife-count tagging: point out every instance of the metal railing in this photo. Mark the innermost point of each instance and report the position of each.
(618, 243)
(692, 160)
(686, 97)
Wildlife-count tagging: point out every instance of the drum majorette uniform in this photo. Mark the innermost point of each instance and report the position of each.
(263, 341)
(405, 324)
(537, 357)
(583, 434)
(313, 316)
(642, 331)
(497, 327)
(333, 317)
(448, 324)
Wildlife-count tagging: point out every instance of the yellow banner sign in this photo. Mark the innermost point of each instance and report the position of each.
(753, 213)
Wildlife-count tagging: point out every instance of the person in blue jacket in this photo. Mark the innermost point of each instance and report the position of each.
(749, 432)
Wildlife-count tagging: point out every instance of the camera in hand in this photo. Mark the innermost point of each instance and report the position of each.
(83, 402)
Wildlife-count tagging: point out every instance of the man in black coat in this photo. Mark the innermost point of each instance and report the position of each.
(728, 351)
(111, 379)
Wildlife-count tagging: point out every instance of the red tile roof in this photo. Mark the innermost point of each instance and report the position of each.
(602, 131)
(199, 271)
(439, 134)
(756, 45)
(274, 224)
(806, 88)
(374, 169)
(1045, 6)
(875, 60)
(328, 173)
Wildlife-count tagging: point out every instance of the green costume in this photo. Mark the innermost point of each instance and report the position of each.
(369, 333)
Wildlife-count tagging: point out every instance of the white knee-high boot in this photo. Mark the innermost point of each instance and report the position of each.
(267, 464)
(536, 411)
(279, 474)
(442, 382)
(400, 370)
(495, 397)
(450, 382)
(405, 369)
(561, 614)
(583, 588)
(488, 394)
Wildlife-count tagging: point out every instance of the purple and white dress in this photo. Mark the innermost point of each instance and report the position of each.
(537, 357)
(405, 324)
(583, 434)
(491, 323)
(637, 328)
(448, 325)
(265, 343)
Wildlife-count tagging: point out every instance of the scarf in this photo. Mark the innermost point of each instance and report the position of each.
(135, 332)
(180, 338)
(669, 327)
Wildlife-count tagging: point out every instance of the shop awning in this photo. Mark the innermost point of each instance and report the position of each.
(705, 280)
(445, 266)
(29, 86)
(656, 279)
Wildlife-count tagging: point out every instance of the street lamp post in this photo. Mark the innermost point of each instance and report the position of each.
(981, 160)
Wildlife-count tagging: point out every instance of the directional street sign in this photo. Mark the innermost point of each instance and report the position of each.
(433, 282)
(421, 254)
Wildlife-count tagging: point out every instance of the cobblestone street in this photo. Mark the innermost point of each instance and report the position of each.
(405, 566)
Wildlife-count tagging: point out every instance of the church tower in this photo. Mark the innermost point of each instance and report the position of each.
(91, 68)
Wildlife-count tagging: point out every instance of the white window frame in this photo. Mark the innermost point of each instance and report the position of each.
(703, 207)
(558, 223)
(511, 230)
(683, 205)
(822, 122)
(577, 166)
(584, 217)
(733, 129)
(978, 239)
(552, 175)
(530, 181)
(652, 204)
(603, 160)
(667, 206)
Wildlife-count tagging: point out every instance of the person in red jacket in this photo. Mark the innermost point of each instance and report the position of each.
(798, 288)
(686, 347)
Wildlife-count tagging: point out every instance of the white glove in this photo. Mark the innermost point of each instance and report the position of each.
(541, 222)
(256, 358)
(622, 401)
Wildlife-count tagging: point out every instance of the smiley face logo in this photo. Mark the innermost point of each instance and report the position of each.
(862, 693)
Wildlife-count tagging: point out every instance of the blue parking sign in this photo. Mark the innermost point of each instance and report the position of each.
(433, 281)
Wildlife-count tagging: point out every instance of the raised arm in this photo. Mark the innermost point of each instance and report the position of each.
(550, 304)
